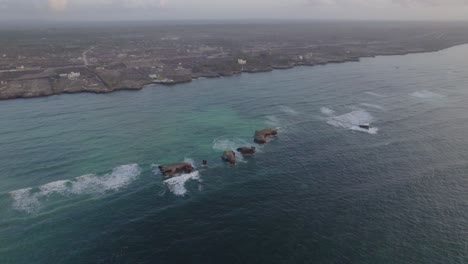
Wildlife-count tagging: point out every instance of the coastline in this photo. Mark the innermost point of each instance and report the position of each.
(143, 84)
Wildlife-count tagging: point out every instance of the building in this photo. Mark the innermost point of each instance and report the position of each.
(73, 75)
(241, 61)
(70, 76)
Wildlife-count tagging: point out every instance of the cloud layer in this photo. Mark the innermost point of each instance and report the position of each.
(229, 9)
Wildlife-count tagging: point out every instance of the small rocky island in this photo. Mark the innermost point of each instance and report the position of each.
(229, 156)
(49, 60)
(246, 150)
(173, 169)
(262, 136)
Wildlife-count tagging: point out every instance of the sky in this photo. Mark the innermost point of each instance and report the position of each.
(91, 10)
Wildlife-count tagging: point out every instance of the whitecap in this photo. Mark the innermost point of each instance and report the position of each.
(372, 106)
(288, 110)
(327, 111)
(177, 184)
(352, 121)
(425, 94)
(29, 199)
(23, 200)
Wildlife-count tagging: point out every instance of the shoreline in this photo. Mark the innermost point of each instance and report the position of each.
(270, 68)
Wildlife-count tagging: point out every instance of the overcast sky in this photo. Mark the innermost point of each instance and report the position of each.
(233, 9)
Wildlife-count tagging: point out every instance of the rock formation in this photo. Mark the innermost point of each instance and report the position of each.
(262, 136)
(229, 156)
(246, 150)
(169, 170)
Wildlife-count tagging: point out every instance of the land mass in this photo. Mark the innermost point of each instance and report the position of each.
(105, 57)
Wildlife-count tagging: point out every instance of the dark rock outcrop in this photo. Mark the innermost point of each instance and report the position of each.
(169, 170)
(262, 136)
(246, 150)
(229, 156)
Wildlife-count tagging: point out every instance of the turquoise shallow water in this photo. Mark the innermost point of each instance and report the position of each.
(79, 185)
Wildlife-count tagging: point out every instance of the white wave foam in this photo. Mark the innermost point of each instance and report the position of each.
(177, 184)
(288, 110)
(372, 106)
(191, 161)
(352, 121)
(374, 94)
(327, 111)
(223, 144)
(272, 121)
(425, 94)
(155, 169)
(29, 199)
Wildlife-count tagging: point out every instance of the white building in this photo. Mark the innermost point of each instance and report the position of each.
(73, 75)
(179, 67)
(241, 61)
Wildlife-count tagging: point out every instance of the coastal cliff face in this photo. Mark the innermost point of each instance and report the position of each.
(104, 59)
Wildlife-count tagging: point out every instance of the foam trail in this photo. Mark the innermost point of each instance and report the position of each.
(29, 199)
(352, 121)
(425, 94)
(272, 121)
(374, 94)
(327, 111)
(177, 184)
(372, 106)
(288, 110)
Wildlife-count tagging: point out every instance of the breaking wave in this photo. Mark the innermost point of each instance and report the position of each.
(191, 161)
(177, 184)
(327, 111)
(352, 121)
(30, 199)
(426, 94)
(288, 110)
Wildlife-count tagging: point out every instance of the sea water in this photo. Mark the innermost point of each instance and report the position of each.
(79, 181)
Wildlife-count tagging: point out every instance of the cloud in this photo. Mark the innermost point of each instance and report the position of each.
(71, 5)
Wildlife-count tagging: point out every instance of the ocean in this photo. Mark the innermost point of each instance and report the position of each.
(79, 179)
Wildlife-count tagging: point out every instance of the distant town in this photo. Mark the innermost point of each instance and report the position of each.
(102, 58)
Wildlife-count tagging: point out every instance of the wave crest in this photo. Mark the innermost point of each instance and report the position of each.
(30, 199)
(177, 184)
(352, 121)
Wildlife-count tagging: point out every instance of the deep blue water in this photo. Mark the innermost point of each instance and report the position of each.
(78, 182)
